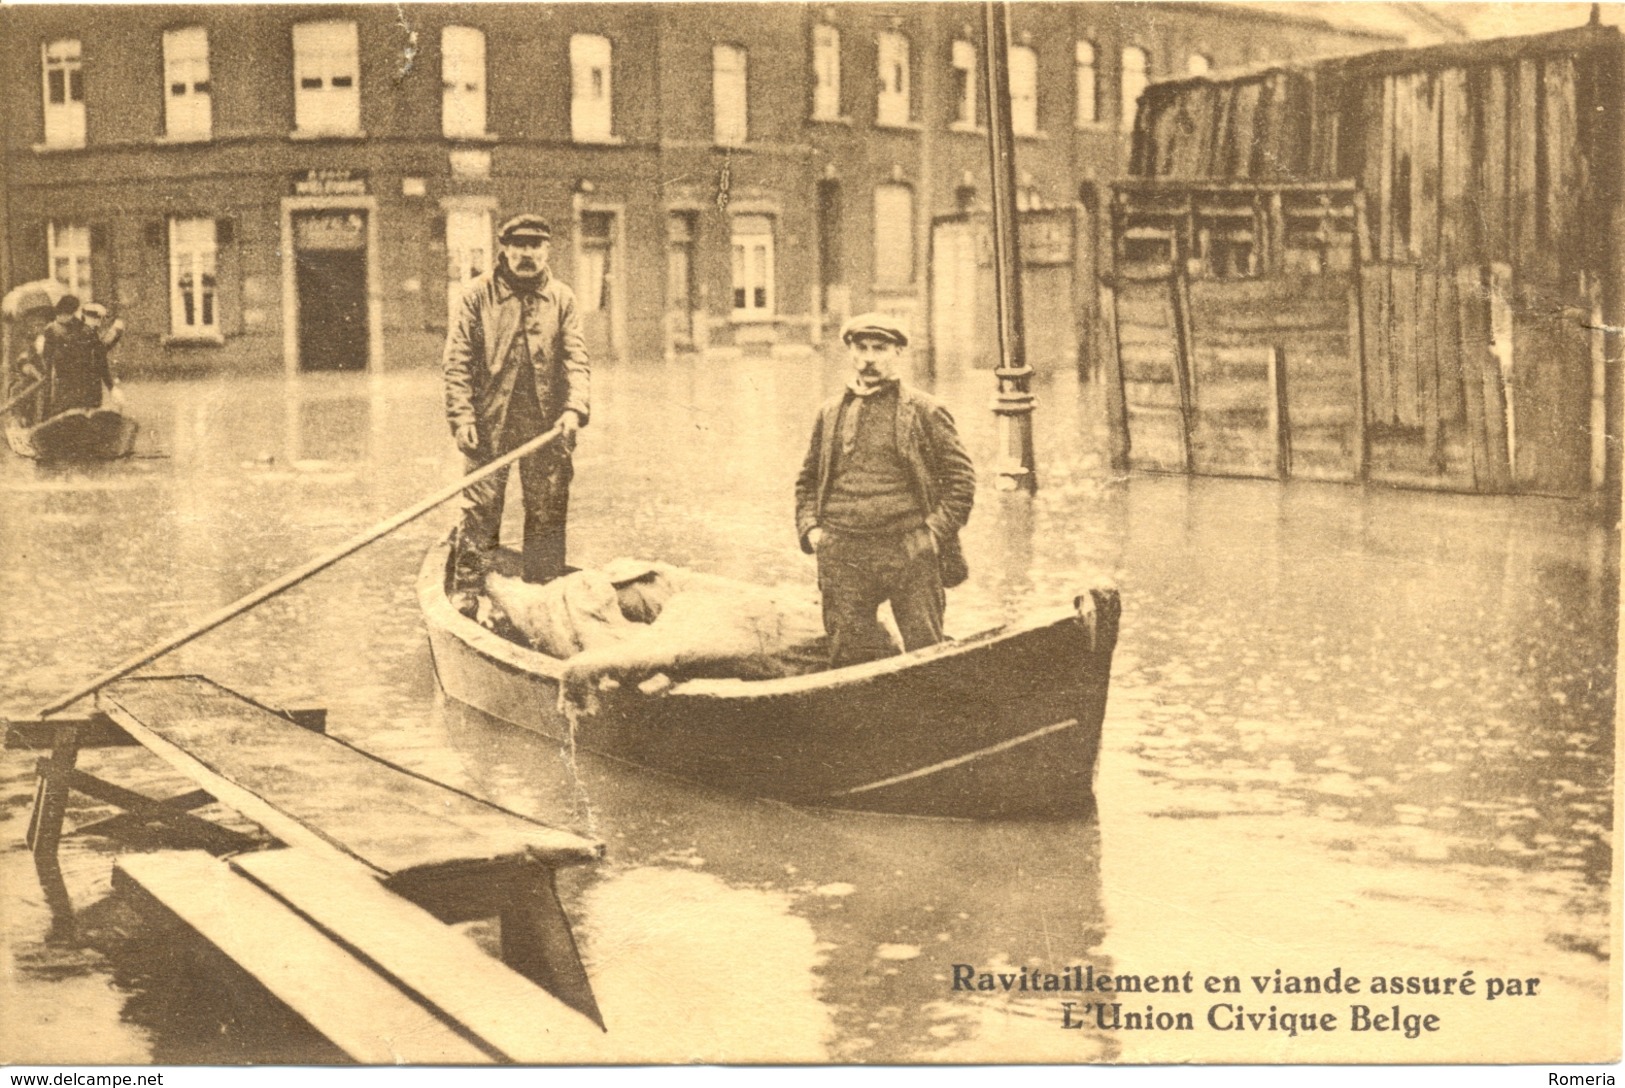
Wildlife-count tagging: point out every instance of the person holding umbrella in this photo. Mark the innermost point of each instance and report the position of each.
(27, 309)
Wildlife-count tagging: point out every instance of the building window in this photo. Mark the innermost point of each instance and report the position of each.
(1136, 77)
(826, 73)
(730, 109)
(326, 79)
(462, 81)
(1088, 100)
(468, 252)
(591, 99)
(1023, 90)
(894, 234)
(70, 257)
(964, 86)
(753, 266)
(188, 109)
(892, 107)
(1199, 64)
(64, 94)
(192, 300)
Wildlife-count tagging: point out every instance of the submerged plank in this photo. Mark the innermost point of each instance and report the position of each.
(364, 1014)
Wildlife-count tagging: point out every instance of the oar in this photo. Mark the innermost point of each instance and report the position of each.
(294, 577)
(22, 396)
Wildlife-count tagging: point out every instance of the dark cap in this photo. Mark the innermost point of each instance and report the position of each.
(67, 304)
(525, 226)
(875, 324)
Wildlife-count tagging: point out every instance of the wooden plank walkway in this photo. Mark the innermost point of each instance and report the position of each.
(362, 1012)
(370, 845)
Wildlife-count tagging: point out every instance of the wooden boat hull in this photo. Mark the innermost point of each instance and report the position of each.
(1005, 724)
(77, 435)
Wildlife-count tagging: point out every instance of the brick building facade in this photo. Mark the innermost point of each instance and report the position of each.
(263, 187)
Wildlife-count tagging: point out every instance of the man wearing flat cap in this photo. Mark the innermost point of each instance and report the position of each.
(515, 366)
(882, 494)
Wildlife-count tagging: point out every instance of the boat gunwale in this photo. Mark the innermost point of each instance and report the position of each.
(438, 611)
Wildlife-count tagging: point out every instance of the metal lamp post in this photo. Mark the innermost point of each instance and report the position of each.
(1013, 404)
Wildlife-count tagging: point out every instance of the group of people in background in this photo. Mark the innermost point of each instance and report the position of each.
(67, 362)
(885, 487)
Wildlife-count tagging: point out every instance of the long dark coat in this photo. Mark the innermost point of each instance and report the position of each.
(480, 383)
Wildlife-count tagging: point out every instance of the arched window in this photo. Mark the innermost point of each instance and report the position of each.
(826, 73)
(1136, 77)
(591, 99)
(894, 234)
(892, 106)
(730, 108)
(462, 81)
(1023, 90)
(1088, 97)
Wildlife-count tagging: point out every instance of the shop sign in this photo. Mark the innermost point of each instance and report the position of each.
(1046, 237)
(330, 183)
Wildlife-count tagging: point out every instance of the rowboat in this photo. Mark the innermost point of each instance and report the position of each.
(1003, 724)
(100, 434)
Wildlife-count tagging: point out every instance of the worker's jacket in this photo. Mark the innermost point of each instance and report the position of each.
(480, 348)
(941, 471)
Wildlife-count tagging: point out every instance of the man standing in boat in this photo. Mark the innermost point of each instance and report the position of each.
(75, 363)
(515, 365)
(882, 494)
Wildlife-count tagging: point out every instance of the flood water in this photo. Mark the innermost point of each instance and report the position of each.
(1355, 729)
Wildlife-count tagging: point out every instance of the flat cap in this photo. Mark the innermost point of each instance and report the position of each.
(527, 225)
(877, 324)
(67, 304)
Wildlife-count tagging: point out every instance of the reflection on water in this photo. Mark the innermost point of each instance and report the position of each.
(1347, 724)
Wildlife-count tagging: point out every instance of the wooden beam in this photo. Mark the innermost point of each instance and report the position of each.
(1116, 402)
(1179, 303)
(1362, 438)
(99, 731)
(51, 796)
(1279, 423)
(171, 812)
(361, 1011)
(439, 966)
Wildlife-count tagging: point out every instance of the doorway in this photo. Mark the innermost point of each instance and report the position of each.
(680, 294)
(330, 285)
(598, 272)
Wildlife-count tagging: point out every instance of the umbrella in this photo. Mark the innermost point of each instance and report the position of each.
(28, 297)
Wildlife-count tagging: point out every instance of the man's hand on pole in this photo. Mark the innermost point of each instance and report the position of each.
(569, 423)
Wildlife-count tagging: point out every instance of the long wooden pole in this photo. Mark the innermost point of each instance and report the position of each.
(1013, 404)
(22, 395)
(294, 577)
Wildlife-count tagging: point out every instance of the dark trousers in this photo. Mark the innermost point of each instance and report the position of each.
(544, 482)
(856, 574)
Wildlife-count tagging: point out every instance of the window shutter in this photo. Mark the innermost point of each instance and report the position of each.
(437, 230)
(225, 231)
(155, 233)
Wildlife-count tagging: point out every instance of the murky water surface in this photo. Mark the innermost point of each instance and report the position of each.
(1357, 729)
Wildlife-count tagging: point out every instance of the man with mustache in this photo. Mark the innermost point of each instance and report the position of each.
(882, 494)
(515, 365)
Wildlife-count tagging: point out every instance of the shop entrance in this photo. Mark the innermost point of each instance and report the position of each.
(330, 281)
